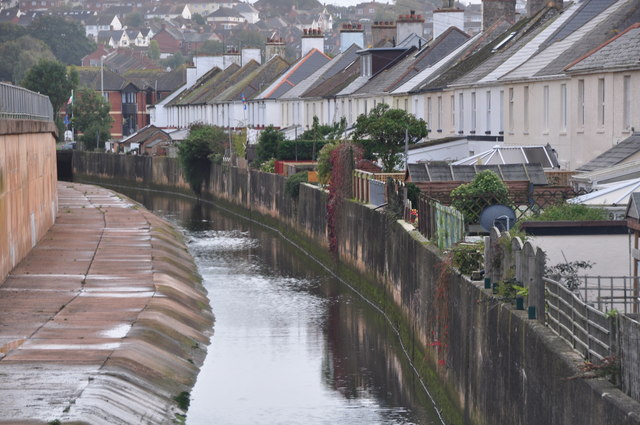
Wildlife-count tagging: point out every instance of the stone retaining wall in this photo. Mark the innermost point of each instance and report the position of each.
(28, 200)
(498, 366)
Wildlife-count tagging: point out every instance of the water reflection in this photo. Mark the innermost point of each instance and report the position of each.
(291, 345)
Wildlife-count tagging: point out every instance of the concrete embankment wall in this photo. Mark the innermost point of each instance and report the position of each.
(28, 199)
(497, 366)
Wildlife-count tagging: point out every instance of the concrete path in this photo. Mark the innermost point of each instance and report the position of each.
(105, 321)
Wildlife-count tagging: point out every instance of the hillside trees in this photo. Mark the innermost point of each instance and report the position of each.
(66, 39)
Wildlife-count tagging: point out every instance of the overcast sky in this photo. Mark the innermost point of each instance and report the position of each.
(354, 2)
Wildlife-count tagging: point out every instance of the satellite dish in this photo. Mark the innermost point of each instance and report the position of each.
(500, 216)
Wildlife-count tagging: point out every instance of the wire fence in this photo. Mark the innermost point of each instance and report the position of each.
(21, 104)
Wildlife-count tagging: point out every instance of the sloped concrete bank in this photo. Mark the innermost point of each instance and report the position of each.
(105, 321)
(497, 366)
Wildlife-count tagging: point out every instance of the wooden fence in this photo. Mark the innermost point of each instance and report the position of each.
(362, 183)
(588, 330)
(439, 223)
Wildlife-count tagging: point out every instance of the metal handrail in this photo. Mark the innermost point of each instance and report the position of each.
(21, 104)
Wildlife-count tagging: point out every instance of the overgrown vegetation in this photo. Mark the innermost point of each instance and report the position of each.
(468, 257)
(292, 185)
(268, 142)
(204, 145)
(570, 212)
(484, 190)
(567, 272)
(183, 399)
(91, 118)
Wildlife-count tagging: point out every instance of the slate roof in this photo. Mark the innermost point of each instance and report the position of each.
(521, 42)
(556, 53)
(91, 78)
(200, 91)
(334, 85)
(623, 51)
(437, 50)
(325, 72)
(254, 81)
(225, 12)
(146, 133)
(380, 82)
(615, 155)
(475, 52)
(298, 72)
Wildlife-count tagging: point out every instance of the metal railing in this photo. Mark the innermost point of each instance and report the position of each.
(587, 329)
(610, 293)
(21, 104)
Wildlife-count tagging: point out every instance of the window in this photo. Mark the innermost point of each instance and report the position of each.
(105, 96)
(526, 109)
(488, 123)
(365, 107)
(601, 102)
(581, 104)
(473, 112)
(366, 65)
(129, 97)
(545, 107)
(501, 114)
(626, 102)
(429, 113)
(439, 115)
(461, 112)
(406, 105)
(453, 113)
(563, 107)
(511, 110)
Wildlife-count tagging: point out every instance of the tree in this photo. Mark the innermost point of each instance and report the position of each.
(198, 19)
(52, 79)
(211, 47)
(67, 39)
(204, 144)
(91, 117)
(173, 61)
(268, 142)
(134, 19)
(154, 50)
(385, 128)
(19, 55)
(10, 32)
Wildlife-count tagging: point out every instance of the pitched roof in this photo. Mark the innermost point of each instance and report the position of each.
(92, 78)
(254, 81)
(337, 83)
(464, 59)
(615, 155)
(299, 71)
(200, 91)
(335, 66)
(557, 52)
(435, 171)
(622, 51)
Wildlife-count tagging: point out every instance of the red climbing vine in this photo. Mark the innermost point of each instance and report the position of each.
(343, 159)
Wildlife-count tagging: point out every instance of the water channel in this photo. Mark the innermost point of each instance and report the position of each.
(291, 344)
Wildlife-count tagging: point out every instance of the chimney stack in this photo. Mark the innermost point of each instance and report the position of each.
(312, 38)
(351, 34)
(445, 18)
(249, 54)
(492, 10)
(382, 31)
(409, 24)
(274, 47)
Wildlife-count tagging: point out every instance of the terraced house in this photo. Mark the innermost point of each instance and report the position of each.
(563, 75)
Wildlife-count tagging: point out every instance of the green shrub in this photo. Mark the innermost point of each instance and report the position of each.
(468, 257)
(292, 185)
(484, 190)
(570, 212)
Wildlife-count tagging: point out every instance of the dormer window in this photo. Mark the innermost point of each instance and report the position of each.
(365, 65)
